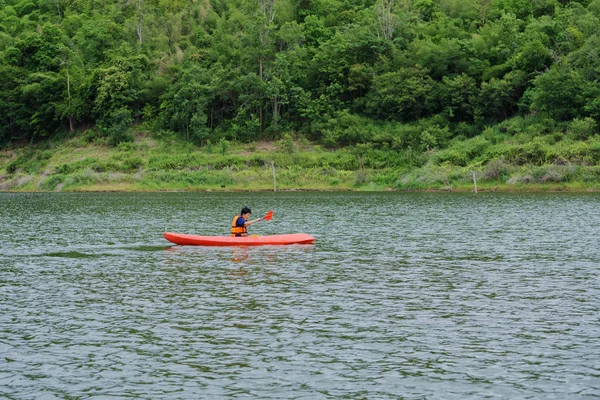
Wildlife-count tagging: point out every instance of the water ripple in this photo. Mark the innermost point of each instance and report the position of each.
(407, 296)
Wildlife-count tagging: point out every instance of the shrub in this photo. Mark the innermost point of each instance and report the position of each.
(172, 161)
(406, 137)
(534, 125)
(131, 164)
(558, 173)
(345, 129)
(64, 169)
(521, 179)
(496, 170)
(223, 145)
(90, 162)
(584, 152)
(287, 144)
(452, 156)
(86, 177)
(29, 161)
(12, 166)
(126, 147)
(582, 129)
(591, 174)
(535, 153)
(462, 151)
(434, 136)
(116, 126)
(186, 178)
(257, 161)
(51, 182)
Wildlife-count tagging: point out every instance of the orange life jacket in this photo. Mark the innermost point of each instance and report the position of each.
(238, 230)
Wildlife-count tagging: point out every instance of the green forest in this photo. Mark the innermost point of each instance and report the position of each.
(403, 93)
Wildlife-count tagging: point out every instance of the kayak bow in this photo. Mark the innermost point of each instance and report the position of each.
(195, 240)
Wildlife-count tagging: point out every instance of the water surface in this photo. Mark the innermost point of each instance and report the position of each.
(403, 295)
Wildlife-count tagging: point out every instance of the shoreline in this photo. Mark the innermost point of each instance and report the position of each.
(151, 165)
(495, 189)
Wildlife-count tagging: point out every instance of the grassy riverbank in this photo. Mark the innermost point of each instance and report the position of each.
(168, 164)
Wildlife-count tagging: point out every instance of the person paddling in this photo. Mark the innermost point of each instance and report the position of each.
(241, 222)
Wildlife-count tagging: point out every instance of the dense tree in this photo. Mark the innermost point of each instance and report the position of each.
(184, 108)
(404, 95)
(253, 69)
(558, 93)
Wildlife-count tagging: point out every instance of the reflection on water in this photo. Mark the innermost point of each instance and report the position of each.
(411, 296)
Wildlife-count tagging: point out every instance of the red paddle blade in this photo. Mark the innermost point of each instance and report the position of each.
(269, 215)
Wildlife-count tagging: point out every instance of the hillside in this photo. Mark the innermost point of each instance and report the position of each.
(149, 164)
(407, 93)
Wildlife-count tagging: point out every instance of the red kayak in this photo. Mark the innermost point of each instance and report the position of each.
(194, 240)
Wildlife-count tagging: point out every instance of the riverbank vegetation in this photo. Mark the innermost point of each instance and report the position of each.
(329, 94)
(491, 161)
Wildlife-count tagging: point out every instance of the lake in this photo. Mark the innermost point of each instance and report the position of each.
(402, 296)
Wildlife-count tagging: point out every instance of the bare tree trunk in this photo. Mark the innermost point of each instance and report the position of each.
(69, 99)
(482, 7)
(387, 19)
(187, 128)
(140, 18)
(267, 8)
(275, 111)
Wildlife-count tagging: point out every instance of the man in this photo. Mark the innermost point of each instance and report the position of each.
(241, 222)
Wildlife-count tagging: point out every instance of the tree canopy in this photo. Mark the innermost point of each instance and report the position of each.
(256, 69)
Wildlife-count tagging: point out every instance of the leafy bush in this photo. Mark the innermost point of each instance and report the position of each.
(131, 164)
(51, 182)
(126, 147)
(287, 144)
(453, 156)
(174, 161)
(29, 161)
(558, 173)
(87, 177)
(591, 174)
(185, 178)
(345, 129)
(462, 152)
(582, 129)
(76, 166)
(116, 126)
(532, 125)
(496, 170)
(535, 153)
(584, 152)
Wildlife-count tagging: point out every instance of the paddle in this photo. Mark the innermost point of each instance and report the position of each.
(268, 216)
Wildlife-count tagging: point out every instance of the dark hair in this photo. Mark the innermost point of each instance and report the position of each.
(246, 210)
